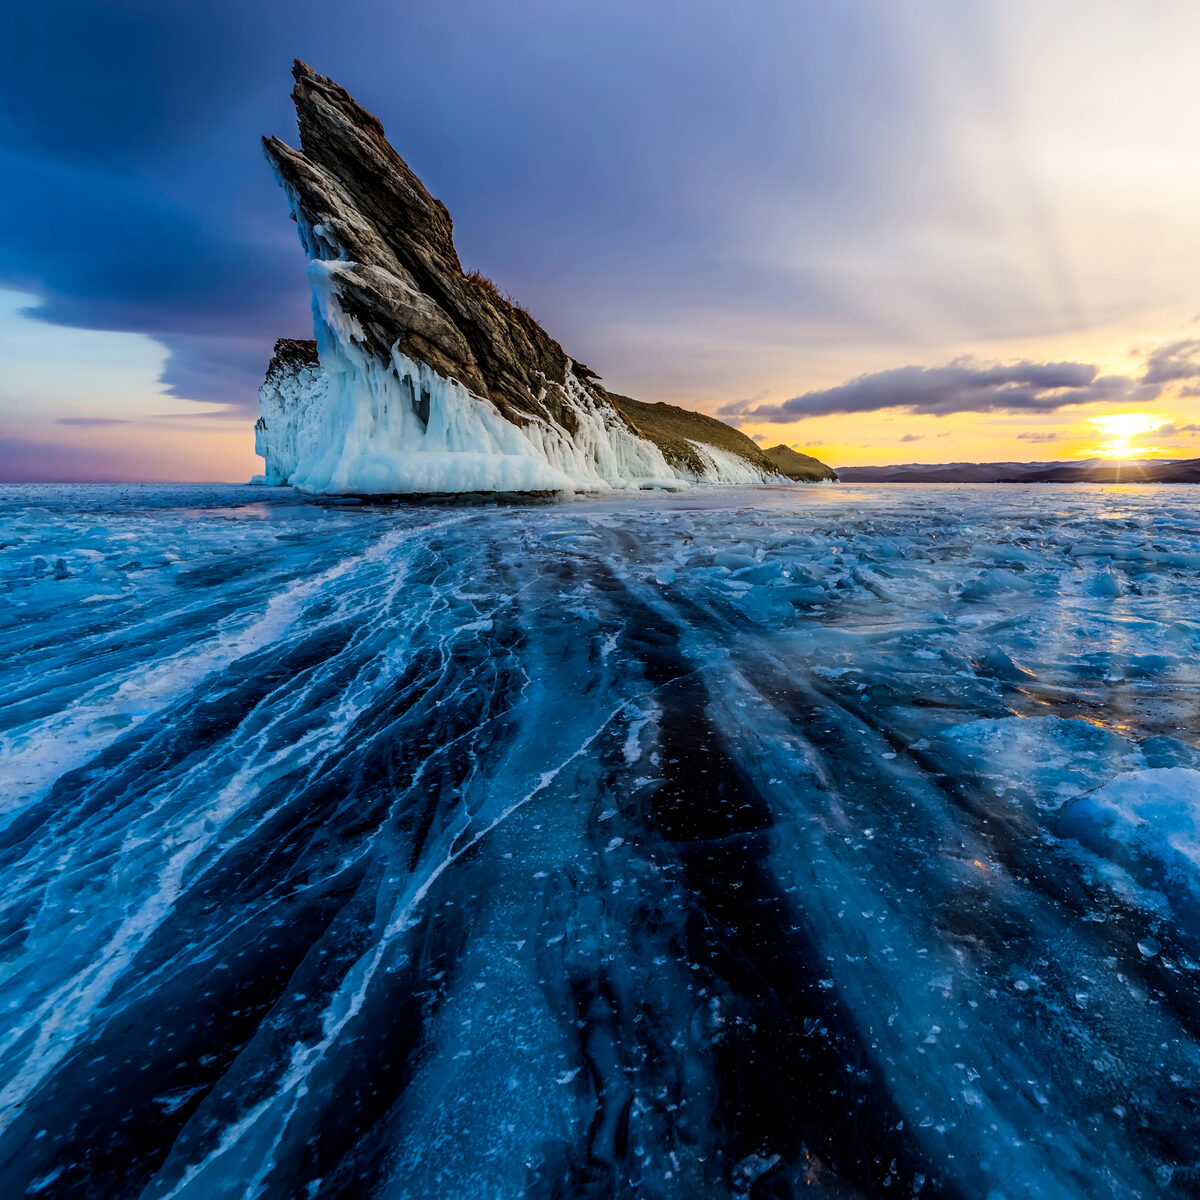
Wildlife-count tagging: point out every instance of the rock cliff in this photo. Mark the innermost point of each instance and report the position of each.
(424, 378)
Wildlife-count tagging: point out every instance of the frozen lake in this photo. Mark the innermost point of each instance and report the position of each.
(820, 840)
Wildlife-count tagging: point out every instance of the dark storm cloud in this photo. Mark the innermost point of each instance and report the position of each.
(228, 370)
(611, 189)
(962, 386)
(135, 196)
(131, 199)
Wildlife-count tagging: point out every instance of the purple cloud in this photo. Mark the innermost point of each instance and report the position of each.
(91, 421)
(962, 386)
(1174, 362)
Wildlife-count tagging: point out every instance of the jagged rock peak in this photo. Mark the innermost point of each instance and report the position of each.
(357, 200)
(427, 378)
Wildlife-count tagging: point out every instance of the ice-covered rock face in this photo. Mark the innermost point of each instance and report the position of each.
(361, 427)
(429, 379)
(289, 401)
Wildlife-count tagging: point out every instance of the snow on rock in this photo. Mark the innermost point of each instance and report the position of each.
(726, 467)
(350, 425)
(292, 401)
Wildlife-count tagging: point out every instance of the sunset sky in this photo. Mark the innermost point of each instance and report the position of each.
(887, 232)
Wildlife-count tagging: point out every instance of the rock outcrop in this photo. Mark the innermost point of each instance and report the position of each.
(799, 466)
(424, 378)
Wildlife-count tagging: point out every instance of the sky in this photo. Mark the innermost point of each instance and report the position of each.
(923, 232)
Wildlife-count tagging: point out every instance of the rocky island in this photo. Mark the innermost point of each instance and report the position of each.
(424, 378)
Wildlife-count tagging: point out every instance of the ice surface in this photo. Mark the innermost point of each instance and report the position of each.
(719, 843)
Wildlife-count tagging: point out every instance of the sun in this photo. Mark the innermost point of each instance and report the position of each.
(1127, 425)
(1122, 428)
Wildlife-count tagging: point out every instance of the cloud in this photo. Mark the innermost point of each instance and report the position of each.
(1173, 363)
(91, 421)
(961, 386)
(1038, 437)
(1152, 437)
(136, 197)
(912, 437)
(124, 259)
(225, 370)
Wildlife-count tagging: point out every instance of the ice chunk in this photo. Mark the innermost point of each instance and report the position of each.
(999, 665)
(1050, 758)
(1104, 585)
(1147, 822)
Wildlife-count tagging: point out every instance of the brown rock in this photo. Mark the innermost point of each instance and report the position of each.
(799, 466)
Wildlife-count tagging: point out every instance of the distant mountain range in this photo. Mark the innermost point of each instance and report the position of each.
(1184, 470)
(1093, 470)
